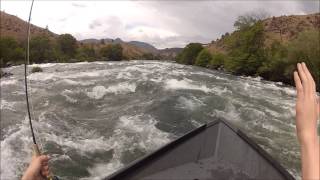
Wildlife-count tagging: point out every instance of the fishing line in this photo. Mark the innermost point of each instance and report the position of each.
(27, 61)
(36, 150)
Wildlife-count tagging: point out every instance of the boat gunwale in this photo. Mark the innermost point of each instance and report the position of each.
(158, 152)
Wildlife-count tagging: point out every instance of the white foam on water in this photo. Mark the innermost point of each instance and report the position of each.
(202, 74)
(185, 84)
(289, 91)
(131, 132)
(195, 123)
(83, 74)
(100, 62)
(4, 82)
(44, 65)
(12, 162)
(66, 93)
(258, 78)
(74, 82)
(82, 63)
(230, 113)
(179, 72)
(98, 171)
(156, 79)
(41, 76)
(98, 92)
(69, 81)
(272, 112)
(271, 128)
(124, 75)
(174, 84)
(82, 145)
(150, 137)
(138, 69)
(7, 105)
(122, 88)
(189, 103)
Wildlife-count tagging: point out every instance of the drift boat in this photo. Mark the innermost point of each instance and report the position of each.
(213, 151)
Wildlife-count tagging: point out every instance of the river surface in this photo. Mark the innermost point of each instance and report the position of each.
(94, 118)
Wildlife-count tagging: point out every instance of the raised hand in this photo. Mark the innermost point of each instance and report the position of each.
(307, 114)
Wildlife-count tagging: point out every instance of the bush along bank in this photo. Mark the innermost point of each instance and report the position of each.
(247, 53)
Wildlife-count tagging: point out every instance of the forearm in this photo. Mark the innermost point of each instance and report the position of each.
(310, 159)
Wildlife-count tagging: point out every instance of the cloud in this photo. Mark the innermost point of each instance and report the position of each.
(94, 24)
(79, 5)
(310, 6)
(161, 23)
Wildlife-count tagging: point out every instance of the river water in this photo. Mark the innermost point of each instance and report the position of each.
(94, 118)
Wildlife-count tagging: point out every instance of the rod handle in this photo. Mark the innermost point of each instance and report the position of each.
(36, 150)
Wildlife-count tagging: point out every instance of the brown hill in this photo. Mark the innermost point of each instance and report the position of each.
(283, 29)
(12, 26)
(15, 27)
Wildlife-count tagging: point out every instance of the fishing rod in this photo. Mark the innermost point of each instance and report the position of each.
(35, 147)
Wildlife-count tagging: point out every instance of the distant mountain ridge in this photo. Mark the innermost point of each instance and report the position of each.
(140, 44)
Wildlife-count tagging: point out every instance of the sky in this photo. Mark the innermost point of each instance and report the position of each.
(162, 23)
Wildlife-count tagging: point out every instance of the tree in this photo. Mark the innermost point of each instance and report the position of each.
(274, 66)
(41, 49)
(203, 58)
(189, 53)
(10, 51)
(247, 50)
(112, 52)
(86, 53)
(217, 61)
(149, 56)
(67, 45)
(249, 19)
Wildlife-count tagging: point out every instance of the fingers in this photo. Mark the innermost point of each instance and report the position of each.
(309, 77)
(43, 159)
(44, 165)
(45, 171)
(318, 102)
(298, 84)
(304, 79)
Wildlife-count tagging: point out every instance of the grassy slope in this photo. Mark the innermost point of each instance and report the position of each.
(289, 26)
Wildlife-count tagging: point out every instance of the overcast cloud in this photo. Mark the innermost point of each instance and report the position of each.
(160, 23)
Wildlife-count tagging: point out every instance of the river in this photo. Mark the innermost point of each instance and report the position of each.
(94, 118)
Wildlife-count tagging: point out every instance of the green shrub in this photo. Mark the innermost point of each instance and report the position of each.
(112, 52)
(10, 52)
(67, 44)
(306, 48)
(203, 58)
(41, 49)
(189, 54)
(276, 60)
(36, 69)
(217, 61)
(246, 50)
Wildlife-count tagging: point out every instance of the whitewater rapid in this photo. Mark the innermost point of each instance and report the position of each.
(94, 118)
